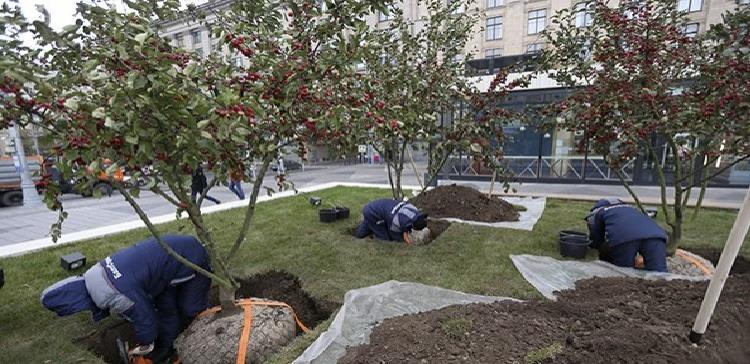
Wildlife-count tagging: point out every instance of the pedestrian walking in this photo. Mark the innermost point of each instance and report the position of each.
(200, 185)
(236, 176)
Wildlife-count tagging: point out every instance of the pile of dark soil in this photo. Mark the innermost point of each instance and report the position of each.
(741, 264)
(103, 341)
(274, 285)
(464, 203)
(286, 287)
(437, 228)
(622, 320)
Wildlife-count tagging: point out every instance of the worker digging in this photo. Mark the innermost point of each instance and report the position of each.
(620, 232)
(393, 220)
(144, 285)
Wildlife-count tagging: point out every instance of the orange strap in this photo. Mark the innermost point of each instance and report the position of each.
(247, 324)
(695, 262)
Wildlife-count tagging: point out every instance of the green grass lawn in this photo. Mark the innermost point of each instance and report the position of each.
(287, 235)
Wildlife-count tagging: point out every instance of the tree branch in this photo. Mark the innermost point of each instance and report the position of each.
(164, 245)
(251, 204)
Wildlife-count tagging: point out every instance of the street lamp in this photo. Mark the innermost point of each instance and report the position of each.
(30, 194)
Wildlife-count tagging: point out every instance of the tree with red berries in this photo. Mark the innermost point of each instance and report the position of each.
(110, 88)
(416, 69)
(645, 86)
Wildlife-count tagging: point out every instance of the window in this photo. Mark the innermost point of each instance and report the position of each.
(495, 3)
(743, 2)
(585, 53)
(493, 53)
(495, 28)
(198, 51)
(534, 48)
(237, 61)
(690, 30)
(584, 14)
(537, 20)
(689, 5)
(197, 36)
(178, 40)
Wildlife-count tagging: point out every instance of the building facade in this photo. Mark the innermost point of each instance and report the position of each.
(508, 31)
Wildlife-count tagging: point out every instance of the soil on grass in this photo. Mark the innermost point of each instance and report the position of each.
(626, 320)
(437, 228)
(464, 203)
(274, 285)
(741, 264)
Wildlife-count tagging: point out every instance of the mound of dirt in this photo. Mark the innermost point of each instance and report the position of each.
(286, 287)
(626, 320)
(741, 264)
(464, 203)
(273, 285)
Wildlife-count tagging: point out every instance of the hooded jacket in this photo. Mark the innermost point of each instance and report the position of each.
(389, 219)
(612, 221)
(144, 284)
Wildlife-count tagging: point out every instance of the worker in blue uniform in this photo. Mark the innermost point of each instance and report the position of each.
(621, 231)
(390, 220)
(144, 285)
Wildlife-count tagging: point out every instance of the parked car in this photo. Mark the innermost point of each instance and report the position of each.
(289, 165)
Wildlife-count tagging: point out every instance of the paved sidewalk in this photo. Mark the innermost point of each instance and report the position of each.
(22, 224)
(90, 216)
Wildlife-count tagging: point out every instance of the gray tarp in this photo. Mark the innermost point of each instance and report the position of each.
(365, 307)
(548, 275)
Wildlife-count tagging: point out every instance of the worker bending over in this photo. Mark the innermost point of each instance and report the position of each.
(621, 231)
(390, 220)
(143, 284)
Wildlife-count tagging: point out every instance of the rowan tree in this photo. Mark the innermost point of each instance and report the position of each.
(111, 87)
(641, 79)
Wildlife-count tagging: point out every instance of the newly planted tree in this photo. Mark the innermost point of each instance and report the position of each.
(646, 87)
(416, 68)
(115, 94)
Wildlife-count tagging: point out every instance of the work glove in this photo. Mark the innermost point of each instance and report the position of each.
(142, 349)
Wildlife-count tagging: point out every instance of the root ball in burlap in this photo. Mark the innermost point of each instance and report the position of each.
(215, 338)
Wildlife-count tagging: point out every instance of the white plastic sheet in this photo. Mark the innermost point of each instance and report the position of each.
(549, 275)
(365, 307)
(526, 221)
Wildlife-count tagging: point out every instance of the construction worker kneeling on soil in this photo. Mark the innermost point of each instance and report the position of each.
(621, 231)
(390, 220)
(143, 284)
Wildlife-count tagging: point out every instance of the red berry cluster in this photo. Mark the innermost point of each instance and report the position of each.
(238, 43)
(238, 109)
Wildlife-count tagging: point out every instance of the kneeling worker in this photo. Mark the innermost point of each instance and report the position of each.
(390, 220)
(143, 284)
(621, 231)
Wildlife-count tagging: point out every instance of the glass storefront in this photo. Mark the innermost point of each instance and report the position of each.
(554, 156)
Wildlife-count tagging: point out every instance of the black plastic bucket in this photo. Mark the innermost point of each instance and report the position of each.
(565, 233)
(574, 246)
(342, 212)
(328, 215)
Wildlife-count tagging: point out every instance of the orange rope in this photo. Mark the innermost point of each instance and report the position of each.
(247, 324)
(247, 306)
(695, 262)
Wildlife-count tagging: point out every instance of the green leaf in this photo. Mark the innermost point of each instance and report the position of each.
(98, 113)
(202, 124)
(206, 135)
(131, 139)
(141, 38)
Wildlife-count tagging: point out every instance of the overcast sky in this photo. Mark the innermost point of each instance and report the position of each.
(62, 12)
